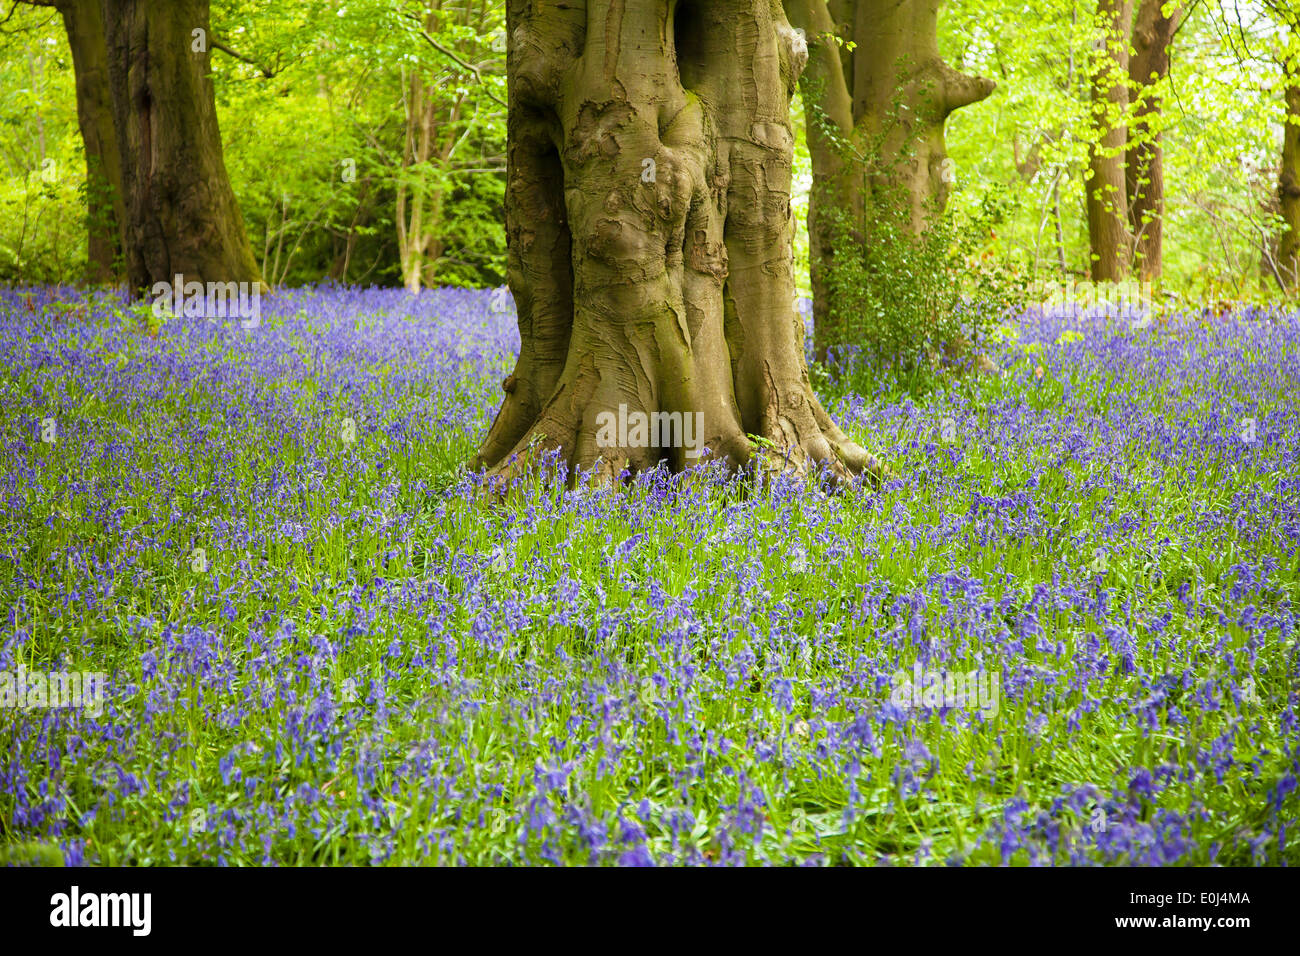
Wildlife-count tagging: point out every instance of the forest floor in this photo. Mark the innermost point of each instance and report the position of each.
(1066, 632)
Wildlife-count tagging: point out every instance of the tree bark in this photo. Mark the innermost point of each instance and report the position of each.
(1110, 240)
(1153, 33)
(889, 97)
(1288, 182)
(835, 185)
(649, 233)
(180, 211)
(431, 134)
(83, 22)
(904, 92)
(420, 204)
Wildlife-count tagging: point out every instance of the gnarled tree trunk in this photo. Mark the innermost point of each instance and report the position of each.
(649, 230)
(1107, 188)
(180, 211)
(890, 96)
(1153, 32)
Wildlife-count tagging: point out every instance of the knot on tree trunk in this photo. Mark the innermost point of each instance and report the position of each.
(961, 89)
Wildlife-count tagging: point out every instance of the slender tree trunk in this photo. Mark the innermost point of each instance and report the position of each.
(432, 132)
(828, 108)
(889, 97)
(35, 73)
(1060, 231)
(180, 211)
(1107, 188)
(360, 217)
(415, 155)
(649, 231)
(1288, 182)
(1153, 33)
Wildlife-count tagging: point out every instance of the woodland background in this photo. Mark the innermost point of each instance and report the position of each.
(366, 141)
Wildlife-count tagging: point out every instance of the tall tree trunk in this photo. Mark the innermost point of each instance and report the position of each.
(411, 233)
(903, 92)
(1288, 181)
(1153, 32)
(649, 233)
(433, 132)
(180, 211)
(835, 185)
(421, 198)
(83, 21)
(1107, 187)
(890, 97)
(363, 214)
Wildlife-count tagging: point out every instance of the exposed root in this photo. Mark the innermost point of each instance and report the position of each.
(827, 451)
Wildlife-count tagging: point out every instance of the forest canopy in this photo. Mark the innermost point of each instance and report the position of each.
(365, 141)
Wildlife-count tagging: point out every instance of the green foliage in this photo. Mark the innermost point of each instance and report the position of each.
(909, 305)
(305, 88)
(42, 167)
(1221, 129)
(911, 292)
(318, 171)
(311, 100)
(43, 240)
(31, 854)
(477, 241)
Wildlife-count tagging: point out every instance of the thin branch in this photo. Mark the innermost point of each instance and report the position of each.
(476, 71)
(266, 71)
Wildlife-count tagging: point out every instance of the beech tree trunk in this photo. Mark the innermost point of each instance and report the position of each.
(1110, 239)
(180, 211)
(905, 92)
(649, 234)
(106, 213)
(836, 184)
(1153, 32)
(889, 98)
(83, 21)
